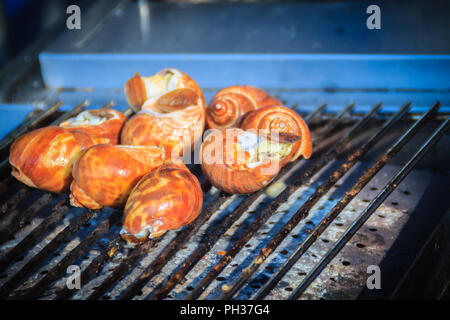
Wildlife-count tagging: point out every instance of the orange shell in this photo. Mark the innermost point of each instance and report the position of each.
(173, 119)
(224, 164)
(138, 89)
(111, 122)
(167, 198)
(135, 91)
(280, 119)
(175, 134)
(104, 175)
(229, 105)
(44, 158)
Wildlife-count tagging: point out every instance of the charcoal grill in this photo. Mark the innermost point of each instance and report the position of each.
(373, 194)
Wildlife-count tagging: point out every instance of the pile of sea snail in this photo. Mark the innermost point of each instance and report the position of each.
(104, 159)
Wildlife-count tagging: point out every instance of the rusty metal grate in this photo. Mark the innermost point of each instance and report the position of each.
(41, 235)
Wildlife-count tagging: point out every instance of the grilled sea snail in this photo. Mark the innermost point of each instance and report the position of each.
(104, 175)
(172, 112)
(238, 161)
(167, 198)
(105, 123)
(279, 119)
(139, 89)
(229, 105)
(44, 158)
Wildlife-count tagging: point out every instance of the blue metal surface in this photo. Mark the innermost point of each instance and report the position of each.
(12, 115)
(281, 71)
(305, 45)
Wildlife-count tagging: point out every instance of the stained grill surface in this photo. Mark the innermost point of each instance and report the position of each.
(277, 243)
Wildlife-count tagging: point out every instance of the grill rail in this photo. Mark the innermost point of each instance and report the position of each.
(365, 178)
(13, 217)
(320, 191)
(393, 183)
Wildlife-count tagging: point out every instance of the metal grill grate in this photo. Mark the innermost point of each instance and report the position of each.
(40, 235)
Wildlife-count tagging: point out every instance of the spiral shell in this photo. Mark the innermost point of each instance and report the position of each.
(104, 175)
(231, 160)
(172, 116)
(44, 158)
(105, 123)
(229, 105)
(167, 198)
(279, 119)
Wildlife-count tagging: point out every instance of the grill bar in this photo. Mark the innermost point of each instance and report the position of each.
(370, 209)
(20, 219)
(284, 231)
(326, 221)
(6, 182)
(334, 121)
(71, 113)
(28, 125)
(207, 244)
(109, 104)
(58, 212)
(14, 200)
(265, 215)
(16, 279)
(310, 117)
(123, 268)
(128, 112)
(184, 235)
(269, 210)
(23, 192)
(95, 235)
(164, 257)
(86, 275)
